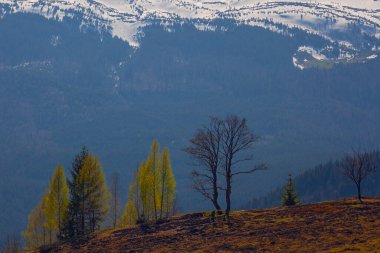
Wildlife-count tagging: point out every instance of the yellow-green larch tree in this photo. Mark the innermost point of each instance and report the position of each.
(154, 164)
(167, 183)
(130, 214)
(57, 202)
(95, 200)
(36, 233)
(145, 182)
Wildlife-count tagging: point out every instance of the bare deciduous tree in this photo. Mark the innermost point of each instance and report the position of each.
(357, 167)
(115, 198)
(12, 244)
(220, 148)
(205, 148)
(237, 141)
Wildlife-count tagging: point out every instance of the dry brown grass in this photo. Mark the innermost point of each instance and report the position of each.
(338, 226)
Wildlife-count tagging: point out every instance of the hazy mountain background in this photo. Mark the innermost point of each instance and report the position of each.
(62, 87)
(325, 181)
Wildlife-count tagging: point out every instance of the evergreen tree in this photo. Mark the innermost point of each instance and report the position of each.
(290, 195)
(153, 190)
(167, 185)
(72, 226)
(36, 233)
(94, 200)
(57, 202)
(145, 182)
(130, 215)
(153, 164)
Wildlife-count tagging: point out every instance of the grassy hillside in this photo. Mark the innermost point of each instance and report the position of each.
(336, 226)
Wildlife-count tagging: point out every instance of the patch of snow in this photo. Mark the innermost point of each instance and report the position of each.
(296, 64)
(205, 27)
(316, 55)
(374, 56)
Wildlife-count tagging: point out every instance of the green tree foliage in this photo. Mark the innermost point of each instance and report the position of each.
(152, 173)
(57, 203)
(45, 222)
(36, 233)
(94, 195)
(145, 182)
(59, 217)
(167, 183)
(290, 195)
(130, 215)
(152, 192)
(72, 227)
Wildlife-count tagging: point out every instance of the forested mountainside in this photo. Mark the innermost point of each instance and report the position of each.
(324, 182)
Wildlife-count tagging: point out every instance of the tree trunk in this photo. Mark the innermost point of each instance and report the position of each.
(215, 193)
(359, 193)
(228, 196)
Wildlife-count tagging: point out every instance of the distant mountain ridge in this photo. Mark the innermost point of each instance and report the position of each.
(329, 19)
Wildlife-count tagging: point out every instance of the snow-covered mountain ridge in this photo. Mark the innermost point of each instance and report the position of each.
(125, 18)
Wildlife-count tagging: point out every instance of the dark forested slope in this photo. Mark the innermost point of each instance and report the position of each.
(324, 182)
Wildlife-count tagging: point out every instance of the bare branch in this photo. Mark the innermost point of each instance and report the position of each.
(357, 167)
(262, 166)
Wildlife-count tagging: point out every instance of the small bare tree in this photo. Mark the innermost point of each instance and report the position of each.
(115, 198)
(357, 167)
(237, 141)
(12, 244)
(205, 148)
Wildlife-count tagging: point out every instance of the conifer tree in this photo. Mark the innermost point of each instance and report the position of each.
(57, 203)
(72, 226)
(134, 194)
(290, 195)
(154, 186)
(167, 185)
(145, 181)
(153, 164)
(94, 200)
(36, 233)
(130, 215)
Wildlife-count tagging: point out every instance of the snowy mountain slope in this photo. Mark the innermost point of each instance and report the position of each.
(124, 18)
(330, 19)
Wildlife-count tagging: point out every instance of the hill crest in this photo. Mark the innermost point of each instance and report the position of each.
(333, 226)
